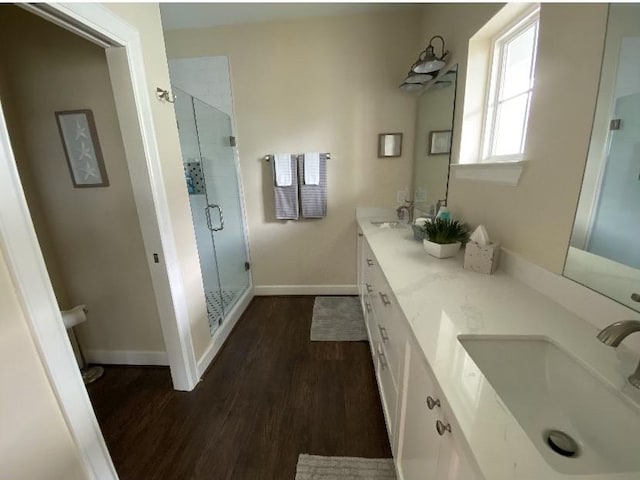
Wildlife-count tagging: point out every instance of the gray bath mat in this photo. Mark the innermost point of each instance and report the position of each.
(313, 467)
(337, 319)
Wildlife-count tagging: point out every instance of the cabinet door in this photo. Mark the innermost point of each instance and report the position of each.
(418, 455)
(388, 392)
(454, 459)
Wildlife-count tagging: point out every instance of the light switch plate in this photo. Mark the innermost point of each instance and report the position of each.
(420, 195)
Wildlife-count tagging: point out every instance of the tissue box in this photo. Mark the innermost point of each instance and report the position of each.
(481, 258)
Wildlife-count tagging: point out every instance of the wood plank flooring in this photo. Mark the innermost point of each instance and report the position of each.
(270, 395)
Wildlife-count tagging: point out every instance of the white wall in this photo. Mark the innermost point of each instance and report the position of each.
(91, 236)
(323, 84)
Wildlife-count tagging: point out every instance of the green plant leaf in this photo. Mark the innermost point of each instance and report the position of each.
(444, 231)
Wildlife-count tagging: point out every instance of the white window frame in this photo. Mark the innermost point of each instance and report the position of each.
(495, 81)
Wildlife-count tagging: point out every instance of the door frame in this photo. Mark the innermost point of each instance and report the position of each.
(25, 262)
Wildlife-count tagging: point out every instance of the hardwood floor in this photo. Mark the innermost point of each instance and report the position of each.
(270, 395)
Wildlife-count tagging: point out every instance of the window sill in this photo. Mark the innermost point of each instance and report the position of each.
(502, 173)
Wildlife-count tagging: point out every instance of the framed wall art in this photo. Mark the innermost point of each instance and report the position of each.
(82, 148)
(440, 142)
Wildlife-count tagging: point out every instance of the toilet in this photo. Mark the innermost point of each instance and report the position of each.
(71, 318)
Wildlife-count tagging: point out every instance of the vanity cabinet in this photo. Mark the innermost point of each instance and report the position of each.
(419, 447)
(430, 447)
(424, 443)
(386, 334)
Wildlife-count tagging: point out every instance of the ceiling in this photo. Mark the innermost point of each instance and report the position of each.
(177, 16)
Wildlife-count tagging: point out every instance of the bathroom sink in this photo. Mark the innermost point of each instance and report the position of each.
(579, 424)
(389, 224)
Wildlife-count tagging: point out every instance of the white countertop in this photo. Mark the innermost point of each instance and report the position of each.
(441, 300)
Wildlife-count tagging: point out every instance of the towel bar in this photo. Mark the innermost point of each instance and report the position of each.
(269, 157)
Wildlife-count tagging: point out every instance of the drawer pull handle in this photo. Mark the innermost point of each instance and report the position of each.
(360, 234)
(369, 262)
(383, 360)
(432, 402)
(368, 307)
(383, 334)
(385, 298)
(442, 428)
(369, 288)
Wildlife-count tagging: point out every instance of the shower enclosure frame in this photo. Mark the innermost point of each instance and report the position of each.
(21, 250)
(222, 332)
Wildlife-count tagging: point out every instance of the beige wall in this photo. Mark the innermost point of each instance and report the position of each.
(90, 237)
(535, 218)
(324, 84)
(146, 19)
(35, 443)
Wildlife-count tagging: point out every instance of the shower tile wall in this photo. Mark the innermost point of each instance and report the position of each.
(206, 78)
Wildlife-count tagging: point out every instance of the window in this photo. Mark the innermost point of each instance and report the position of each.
(510, 86)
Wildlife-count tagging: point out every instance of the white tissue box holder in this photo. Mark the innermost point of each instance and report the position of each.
(481, 258)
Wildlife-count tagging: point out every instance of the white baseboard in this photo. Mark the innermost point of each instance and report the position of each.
(126, 357)
(221, 335)
(268, 290)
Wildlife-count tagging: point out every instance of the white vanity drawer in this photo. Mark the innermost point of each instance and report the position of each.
(390, 325)
(388, 391)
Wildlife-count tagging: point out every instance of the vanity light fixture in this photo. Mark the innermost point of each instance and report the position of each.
(425, 68)
(428, 61)
(413, 77)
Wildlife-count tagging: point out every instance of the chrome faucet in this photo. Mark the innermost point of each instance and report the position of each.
(613, 336)
(406, 209)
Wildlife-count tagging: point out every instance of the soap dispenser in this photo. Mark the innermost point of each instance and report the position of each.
(443, 213)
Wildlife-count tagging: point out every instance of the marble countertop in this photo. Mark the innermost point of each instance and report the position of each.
(441, 301)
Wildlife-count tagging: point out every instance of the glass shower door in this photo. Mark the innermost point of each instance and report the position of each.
(223, 193)
(199, 203)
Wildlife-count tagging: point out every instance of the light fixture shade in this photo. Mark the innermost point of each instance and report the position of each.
(410, 87)
(431, 63)
(418, 77)
(442, 84)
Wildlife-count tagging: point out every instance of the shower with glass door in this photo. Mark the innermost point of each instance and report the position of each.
(211, 176)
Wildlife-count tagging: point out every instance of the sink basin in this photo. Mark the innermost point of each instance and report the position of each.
(547, 390)
(389, 224)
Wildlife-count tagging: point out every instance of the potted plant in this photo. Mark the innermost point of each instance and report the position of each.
(444, 237)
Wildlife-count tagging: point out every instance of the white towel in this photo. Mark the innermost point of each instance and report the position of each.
(282, 167)
(312, 168)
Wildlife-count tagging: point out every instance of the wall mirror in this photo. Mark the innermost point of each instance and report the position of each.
(604, 251)
(389, 145)
(434, 125)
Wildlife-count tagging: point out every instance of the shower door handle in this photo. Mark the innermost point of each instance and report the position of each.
(220, 216)
(207, 216)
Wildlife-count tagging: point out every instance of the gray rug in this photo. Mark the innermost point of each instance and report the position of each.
(337, 319)
(313, 467)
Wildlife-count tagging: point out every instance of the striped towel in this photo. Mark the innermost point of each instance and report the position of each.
(313, 198)
(286, 198)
